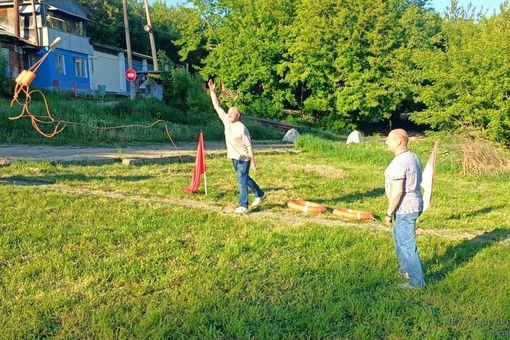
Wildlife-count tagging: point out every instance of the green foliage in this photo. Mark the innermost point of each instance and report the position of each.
(107, 25)
(6, 84)
(332, 124)
(342, 64)
(348, 62)
(181, 86)
(183, 90)
(122, 108)
(261, 107)
(120, 121)
(466, 84)
(197, 98)
(247, 41)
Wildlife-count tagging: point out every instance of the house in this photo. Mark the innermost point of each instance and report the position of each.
(106, 58)
(38, 24)
(28, 28)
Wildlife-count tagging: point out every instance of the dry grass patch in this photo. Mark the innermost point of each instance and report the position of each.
(328, 171)
(480, 157)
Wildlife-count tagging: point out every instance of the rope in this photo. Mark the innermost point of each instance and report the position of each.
(22, 85)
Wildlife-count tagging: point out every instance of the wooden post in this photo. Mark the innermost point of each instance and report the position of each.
(128, 47)
(15, 5)
(151, 37)
(36, 28)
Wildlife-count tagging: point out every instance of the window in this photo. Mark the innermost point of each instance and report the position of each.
(80, 69)
(66, 26)
(79, 29)
(31, 60)
(58, 23)
(54, 23)
(59, 64)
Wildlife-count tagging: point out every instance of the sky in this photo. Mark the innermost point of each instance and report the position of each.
(439, 5)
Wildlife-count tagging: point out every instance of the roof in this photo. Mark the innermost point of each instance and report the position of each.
(118, 49)
(6, 35)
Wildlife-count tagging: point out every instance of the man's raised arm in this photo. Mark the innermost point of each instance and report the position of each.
(214, 98)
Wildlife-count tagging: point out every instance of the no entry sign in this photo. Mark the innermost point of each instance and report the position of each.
(130, 74)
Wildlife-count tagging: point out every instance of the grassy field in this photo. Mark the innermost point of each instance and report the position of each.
(118, 121)
(114, 252)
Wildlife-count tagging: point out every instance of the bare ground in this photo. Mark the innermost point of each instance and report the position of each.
(146, 154)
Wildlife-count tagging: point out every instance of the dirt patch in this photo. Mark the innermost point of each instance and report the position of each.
(322, 170)
(105, 155)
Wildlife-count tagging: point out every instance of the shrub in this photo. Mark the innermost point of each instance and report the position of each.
(6, 84)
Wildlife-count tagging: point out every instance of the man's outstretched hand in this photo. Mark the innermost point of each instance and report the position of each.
(211, 85)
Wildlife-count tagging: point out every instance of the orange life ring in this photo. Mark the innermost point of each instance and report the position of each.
(307, 206)
(353, 214)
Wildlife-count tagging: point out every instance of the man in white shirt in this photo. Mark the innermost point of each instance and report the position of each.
(240, 150)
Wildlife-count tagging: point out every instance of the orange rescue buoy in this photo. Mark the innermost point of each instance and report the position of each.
(307, 206)
(353, 214)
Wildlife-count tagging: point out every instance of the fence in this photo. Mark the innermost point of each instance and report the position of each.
(87, 91)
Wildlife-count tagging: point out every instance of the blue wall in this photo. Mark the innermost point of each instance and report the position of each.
(47, 76)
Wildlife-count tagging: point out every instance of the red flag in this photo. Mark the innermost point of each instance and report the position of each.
(428, 177)
(199, 168)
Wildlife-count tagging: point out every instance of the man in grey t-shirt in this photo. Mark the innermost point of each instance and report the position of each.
(405, 205)
(240, 150)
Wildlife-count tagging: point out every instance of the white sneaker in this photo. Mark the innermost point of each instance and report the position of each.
(258, 200)
(241, 210)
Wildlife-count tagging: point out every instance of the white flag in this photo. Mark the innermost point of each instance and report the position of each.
(427, 178)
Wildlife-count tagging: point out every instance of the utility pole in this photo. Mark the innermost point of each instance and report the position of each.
(128, 47)
(148, 28)
(17, 31)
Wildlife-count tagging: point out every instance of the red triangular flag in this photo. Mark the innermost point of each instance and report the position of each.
(199, 168)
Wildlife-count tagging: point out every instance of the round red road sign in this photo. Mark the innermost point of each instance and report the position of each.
(130, 74)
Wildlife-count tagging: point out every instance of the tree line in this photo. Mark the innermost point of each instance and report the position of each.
(337, 64)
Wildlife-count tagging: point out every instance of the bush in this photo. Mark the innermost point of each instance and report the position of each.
(262, 107)
(261, 132)
(6, 84)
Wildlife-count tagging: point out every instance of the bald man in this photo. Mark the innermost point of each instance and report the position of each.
(405, 205)
(240, 150)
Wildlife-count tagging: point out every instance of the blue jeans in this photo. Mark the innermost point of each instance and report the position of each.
(404, 234)
(245, 181)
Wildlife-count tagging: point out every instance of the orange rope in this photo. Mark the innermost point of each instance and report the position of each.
(61, 124)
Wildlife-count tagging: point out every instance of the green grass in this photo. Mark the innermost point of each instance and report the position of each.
(121, 252)
(121, 121)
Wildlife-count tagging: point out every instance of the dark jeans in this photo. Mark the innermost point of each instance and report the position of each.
(245, 181)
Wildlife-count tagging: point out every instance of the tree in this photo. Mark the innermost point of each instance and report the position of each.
(247, 40)
(342, 62)
(5, 81)
(106, 21)
(467, 83)
(107, 25)
(352, 59)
